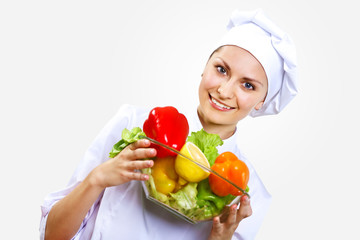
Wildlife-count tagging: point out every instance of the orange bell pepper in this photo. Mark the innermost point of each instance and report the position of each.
(230, 167)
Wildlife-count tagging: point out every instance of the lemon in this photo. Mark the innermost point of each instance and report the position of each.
(188, 170)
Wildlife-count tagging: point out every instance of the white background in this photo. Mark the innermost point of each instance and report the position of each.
(67, 66)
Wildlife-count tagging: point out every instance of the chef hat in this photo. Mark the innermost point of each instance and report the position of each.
(273, 48)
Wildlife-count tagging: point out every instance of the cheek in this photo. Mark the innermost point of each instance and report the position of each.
(210, 81)
(203, 91)
(246, 101)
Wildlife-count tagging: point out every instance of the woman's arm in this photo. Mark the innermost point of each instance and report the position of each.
(225, 230)
(66, 216)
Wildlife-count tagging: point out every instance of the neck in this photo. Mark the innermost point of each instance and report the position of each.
(224, 131)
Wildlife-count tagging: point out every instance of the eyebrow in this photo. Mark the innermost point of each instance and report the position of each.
(247, 78)
(254, 80)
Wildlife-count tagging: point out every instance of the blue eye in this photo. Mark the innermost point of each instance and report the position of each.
(221, 70)
(249, 86)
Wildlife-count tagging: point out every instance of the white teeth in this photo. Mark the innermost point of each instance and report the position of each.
(219, 104)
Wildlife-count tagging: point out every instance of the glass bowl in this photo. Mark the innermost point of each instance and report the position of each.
(194, 216)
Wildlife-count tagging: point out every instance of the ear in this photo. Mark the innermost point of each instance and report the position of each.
(259, 105)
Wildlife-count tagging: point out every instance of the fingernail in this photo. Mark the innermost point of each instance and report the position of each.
(153, 151)
(233, 209)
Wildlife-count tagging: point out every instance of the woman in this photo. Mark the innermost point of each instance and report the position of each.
(251, 72)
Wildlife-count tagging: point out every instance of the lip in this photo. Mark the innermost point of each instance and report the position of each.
(219, 107)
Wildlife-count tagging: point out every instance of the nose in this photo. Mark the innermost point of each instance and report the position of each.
(226, 89)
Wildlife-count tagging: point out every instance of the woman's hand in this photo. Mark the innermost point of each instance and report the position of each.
(225, 230)
(122, 168)
(66, 216)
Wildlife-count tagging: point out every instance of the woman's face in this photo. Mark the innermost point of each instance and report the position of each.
(233, 83)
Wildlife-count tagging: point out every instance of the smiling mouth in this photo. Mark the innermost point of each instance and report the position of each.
(219, 105)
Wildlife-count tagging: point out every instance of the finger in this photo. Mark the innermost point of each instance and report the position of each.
(216, 224)
(136, 176)
(244, 209)
(232, 214)
(143, 143)
(142, 153)
(140, 164)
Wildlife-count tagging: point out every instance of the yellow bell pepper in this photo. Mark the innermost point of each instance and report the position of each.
(165, 177)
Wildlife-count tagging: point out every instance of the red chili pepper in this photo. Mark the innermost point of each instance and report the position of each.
(166, 125)
(231, 168)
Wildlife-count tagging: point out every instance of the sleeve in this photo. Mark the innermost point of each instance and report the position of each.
(260, 202)
(53, 198)
(96, 154)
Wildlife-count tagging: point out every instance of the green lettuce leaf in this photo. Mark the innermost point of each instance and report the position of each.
(207, 143)
(128, 137)
(184, 199)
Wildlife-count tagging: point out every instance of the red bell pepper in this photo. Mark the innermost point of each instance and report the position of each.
(231, 168)
(168, 126)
